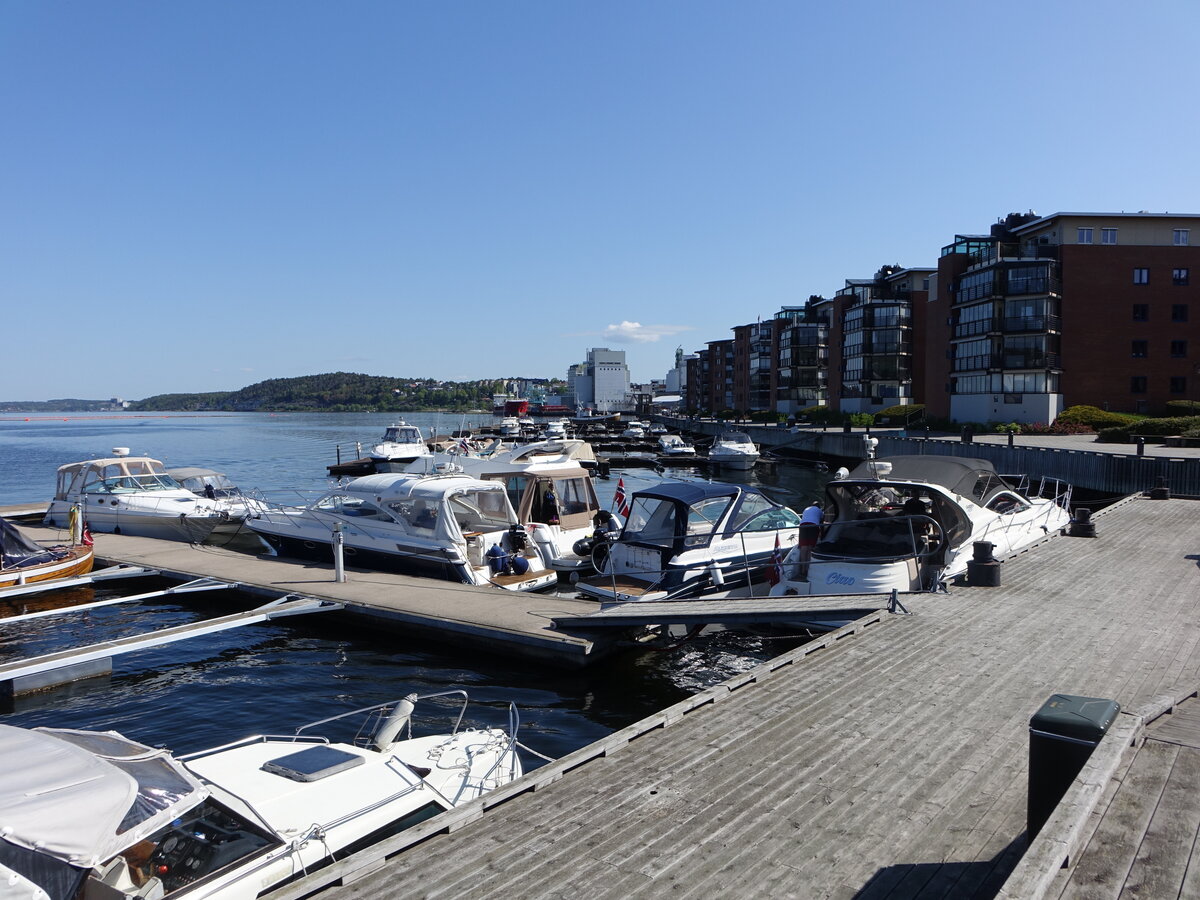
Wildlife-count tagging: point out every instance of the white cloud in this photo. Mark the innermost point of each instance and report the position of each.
(637, 333)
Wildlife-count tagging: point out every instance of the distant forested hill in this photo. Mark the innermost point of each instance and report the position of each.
(336, 392)
(57, 405)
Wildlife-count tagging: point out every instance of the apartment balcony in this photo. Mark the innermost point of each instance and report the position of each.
(977, 327)
(1017, 324)
(1030, 359)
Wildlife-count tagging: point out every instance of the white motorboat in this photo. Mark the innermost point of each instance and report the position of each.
(634, 430)
(734, 450)
(91, 814)
(448, 526)
(556, 429)
(549, 485)
(657, 429)
(214, 485)
(400, 445)
(134, 495)
(693, 539)
(909, 523)
(674, 445)
(510, 428)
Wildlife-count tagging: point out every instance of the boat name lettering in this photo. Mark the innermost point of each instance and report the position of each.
(838, 578)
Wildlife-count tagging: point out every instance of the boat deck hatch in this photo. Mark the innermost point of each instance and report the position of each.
(313, 764)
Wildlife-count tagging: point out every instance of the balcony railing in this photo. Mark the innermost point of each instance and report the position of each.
(978, 326)
(1030, 359)
(1032, 323)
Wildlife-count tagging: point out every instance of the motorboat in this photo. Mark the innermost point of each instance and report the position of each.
(444, 525)
(635, 431)
(734, 450)
(556, 429)
(910, 523)
(134, 495)
(510, 428)
(400, 445)
(693, 539)
(25, 561)
(215, 485)
(94, 814)
(674, 445)
(657, 429)
(549, 484)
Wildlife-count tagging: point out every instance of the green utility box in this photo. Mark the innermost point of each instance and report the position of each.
(1062, 735)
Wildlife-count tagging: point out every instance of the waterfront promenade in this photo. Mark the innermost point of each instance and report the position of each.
(888, 763)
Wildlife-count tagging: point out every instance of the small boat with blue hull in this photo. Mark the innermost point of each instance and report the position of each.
(693, 539)
(447, 525)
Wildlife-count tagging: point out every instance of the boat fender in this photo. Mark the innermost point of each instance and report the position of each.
(392, 725)
(497, 559)
(520, 565)
(714, 571)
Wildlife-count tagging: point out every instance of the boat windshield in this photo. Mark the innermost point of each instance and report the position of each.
(402, 434)
(481, 510)
(128, 477)
(888, 538)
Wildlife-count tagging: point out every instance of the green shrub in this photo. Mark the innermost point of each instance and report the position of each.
(1093, 417)
(1183, 407)
(862, 420)
(822, 415)
(901, 414)
(1150, 427)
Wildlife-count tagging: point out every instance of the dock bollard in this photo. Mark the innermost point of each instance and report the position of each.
(983, 570)
(967, 435)
(1081, 524)
(1161, 490)
(1141, 446)
(339, 563)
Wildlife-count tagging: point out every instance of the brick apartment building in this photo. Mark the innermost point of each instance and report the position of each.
(1039, 313)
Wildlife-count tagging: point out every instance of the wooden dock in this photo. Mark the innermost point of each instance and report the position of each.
(888, 759)
(505, 622)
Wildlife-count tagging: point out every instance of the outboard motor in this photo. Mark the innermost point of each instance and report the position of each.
(392, 725)
(518, 538)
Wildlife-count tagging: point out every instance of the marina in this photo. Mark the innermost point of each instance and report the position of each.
(887, 757)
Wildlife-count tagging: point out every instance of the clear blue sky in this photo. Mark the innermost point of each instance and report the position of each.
(201, 195)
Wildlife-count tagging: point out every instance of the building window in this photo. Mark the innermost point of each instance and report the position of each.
(1178, 349)
(1179, 312)
(1181, 237)
(1178, 384)
(1083, 236)
(1138, 349)
(1141, 276)
(1179, 277)
(1137, 384)
(1108, 235)
(1141, 312)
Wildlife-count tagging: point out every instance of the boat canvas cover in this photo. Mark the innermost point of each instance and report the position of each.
(18, 550)
(961, 475)
(83, 796)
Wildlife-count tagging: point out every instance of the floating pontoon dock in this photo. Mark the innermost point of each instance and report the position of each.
(887, 759)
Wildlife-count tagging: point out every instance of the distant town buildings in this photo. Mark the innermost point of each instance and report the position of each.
(1037, 314)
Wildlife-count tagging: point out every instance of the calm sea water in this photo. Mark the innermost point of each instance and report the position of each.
(269, 678)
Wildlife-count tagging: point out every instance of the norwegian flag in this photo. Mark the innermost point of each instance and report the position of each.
(464, 446)
(87, 538)
(775, 570)
(621, 500)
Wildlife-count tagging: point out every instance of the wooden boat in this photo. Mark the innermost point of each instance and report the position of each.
(25, 561)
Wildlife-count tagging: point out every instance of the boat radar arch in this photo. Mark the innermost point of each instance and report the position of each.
(394, 723)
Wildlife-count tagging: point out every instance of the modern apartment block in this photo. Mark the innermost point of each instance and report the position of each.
(803, 359)
(875, 343)
(1037, 314)
(1046, 312)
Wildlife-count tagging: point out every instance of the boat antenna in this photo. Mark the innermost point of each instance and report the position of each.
(869, 445)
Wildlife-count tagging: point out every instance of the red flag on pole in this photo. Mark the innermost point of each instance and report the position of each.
(775, 570)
